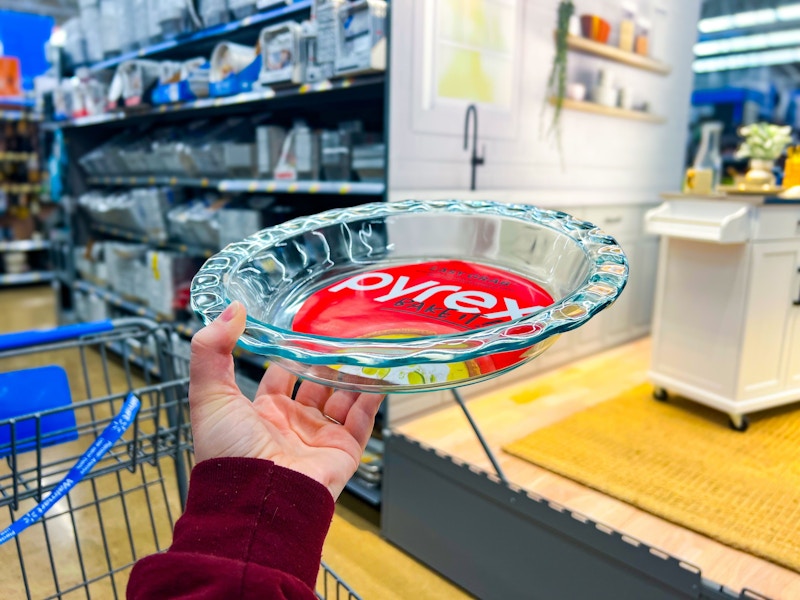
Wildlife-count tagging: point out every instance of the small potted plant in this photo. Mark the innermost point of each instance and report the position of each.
(763, 144)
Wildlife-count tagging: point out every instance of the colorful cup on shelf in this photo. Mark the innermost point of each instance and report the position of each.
(595, 28)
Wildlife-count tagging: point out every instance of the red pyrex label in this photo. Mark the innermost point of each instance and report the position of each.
(431, 298)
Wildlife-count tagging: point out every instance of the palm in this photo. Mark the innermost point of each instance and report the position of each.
(321, 433)
(292, 433)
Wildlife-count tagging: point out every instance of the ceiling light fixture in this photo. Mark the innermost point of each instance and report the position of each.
(750, 18)
(747, 60)
(758, 41)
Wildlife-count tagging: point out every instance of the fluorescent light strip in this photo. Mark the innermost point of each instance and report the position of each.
(759, 41)
(750, 18)
(746, 61)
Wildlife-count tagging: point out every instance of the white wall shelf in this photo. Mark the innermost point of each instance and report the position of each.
(606, 51)
(609, 111)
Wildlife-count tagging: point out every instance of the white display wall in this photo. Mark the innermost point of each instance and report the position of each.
(615, 160)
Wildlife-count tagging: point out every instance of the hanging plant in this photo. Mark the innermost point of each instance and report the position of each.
(557, 82)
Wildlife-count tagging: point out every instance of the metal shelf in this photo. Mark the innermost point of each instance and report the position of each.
(21, 188)
(141, 180)
(132, 307)
(354, 188)
(32, 277)
(138, 237)
(206, 36)
(24, 245)
(117, 300)
(243, 100)
(18, 115)
(302, 187)
(16, 156)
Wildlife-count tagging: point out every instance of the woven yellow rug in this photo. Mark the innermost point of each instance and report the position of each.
(680, 461)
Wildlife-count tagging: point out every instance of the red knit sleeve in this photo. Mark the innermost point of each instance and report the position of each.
(251, 529)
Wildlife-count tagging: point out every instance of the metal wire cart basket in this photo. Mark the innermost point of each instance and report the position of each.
(65, 395)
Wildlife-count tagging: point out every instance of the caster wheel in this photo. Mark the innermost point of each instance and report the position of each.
(660, 394)
(738, 422)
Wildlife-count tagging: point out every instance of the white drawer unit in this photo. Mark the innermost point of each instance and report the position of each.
(726, 327)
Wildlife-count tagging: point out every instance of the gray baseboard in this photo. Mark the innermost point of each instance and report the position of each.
(497, 541)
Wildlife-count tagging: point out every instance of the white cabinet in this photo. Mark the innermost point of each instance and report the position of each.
(726, 328)
(770, 343)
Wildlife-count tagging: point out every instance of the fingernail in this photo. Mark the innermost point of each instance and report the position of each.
(229, 313)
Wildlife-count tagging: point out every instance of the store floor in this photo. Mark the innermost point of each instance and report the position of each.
(376, 569)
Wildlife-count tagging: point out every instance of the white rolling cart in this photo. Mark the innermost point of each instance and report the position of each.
(726, 324)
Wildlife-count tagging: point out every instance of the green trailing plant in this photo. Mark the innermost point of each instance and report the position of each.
(763, 141)
(557, 82)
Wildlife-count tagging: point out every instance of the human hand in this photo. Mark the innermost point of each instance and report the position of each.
(322, 433)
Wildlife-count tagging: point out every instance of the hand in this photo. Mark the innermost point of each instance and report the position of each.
(322, 433)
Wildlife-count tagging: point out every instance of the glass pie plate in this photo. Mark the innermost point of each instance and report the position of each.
(413, 295)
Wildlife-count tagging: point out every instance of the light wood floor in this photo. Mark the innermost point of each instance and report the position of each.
(508, 414)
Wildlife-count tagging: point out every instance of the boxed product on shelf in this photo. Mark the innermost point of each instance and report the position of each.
(318, 42)
(300, 154)
(213, 12)
(196, 222)
(181, 82)
(242, 217)
(226, 149)
(92, 30)
(176, 17)
(90, 307)
(127, 269)
(335, 156)
(140, 210)
(90, 263)
(269, 143)
(167, 280)
(228, 61)
(369, 162)
(113, 30)
(280, 54)
(138, 78)
(242, 8)
(361, 37)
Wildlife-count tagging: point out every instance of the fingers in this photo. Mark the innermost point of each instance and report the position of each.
(361, 417)
(313, 394)
(277, 380)
(211, 364)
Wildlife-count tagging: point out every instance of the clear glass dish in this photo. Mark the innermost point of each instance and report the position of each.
(413, 295)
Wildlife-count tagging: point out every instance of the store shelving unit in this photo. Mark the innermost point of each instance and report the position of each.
(323, 104)
(244, 102)
(138, 237)
(199, 42)
(25, 278)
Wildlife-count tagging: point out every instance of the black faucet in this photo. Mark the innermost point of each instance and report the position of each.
(475, 161)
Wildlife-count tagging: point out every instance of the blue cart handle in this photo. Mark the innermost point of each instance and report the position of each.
(35, 337)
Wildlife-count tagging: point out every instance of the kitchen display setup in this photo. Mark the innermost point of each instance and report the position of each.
(561, 237)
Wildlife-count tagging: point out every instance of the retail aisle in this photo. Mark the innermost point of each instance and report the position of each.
(354, 549)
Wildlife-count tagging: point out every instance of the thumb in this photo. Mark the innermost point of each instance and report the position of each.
(211, 366)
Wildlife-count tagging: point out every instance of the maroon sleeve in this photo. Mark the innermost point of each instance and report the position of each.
(251, 529)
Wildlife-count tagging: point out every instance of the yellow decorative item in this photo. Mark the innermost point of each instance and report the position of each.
(680, 461)
(791, 170)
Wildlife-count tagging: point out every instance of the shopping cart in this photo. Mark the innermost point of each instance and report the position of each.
(63, 390)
